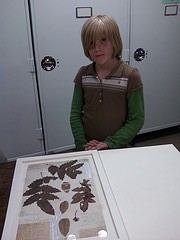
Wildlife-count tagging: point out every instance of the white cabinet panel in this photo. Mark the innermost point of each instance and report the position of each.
(56, 30)
(19, 112)
(159, 36)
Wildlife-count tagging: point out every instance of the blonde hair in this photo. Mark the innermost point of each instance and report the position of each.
(100, 26)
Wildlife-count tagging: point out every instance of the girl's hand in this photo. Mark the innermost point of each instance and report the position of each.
(95, 145)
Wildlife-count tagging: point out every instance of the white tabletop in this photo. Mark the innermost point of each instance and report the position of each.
(146, 185)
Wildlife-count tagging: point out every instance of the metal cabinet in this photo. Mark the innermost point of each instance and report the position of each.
(56, 31)
(20, 123)
(155, 31)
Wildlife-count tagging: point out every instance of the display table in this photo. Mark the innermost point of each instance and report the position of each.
(128, 194)
(146, 185)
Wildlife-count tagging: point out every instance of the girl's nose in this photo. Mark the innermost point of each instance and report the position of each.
(97, 45)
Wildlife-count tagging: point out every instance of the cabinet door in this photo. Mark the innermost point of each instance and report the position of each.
(19, 112)
(155, 30)
(56, 29)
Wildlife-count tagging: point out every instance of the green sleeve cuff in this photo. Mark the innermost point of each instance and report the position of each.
(76, 118)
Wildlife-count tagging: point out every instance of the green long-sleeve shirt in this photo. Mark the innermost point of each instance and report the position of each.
(109, 110)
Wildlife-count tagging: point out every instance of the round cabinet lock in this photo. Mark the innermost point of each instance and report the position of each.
(48, 63)
(139, 54)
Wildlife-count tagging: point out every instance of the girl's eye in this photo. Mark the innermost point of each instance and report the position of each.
(103, 39)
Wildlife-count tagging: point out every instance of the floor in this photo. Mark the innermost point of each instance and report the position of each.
(165, 136)
(6, 176)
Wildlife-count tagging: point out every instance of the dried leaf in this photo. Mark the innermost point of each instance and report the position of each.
(77, 165)
(64, 225)
(40, 181)
(91, 200)
(68, 164)
(78, 189)
(61, 173)
(39, 196)
(49, 196)
(45, 206)
(49, 189)
(77, 198)
(78, 172)
(84, 205)
(85, 182)
(44, 188)
(67, 168)
(53, 169)
(64, 206)
(32, 191)
(35, 183)
(32, 199)
(48, 178)
(87, 190)
(72, 171)
(71, 174)
(83, 195)
(89, 195)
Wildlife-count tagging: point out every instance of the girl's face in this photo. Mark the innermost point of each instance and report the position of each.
(101, 51)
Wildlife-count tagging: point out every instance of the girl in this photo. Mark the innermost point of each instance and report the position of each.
(107, 107)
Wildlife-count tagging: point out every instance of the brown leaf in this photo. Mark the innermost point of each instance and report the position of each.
(78, 189)
(77, 197)
(84, 205)
(32, 191)
(49, 189)
(44, 188)
(40, 181)
(77, 166)
(49, 196)
(36, 183)
(89, 195)
(39, 196)
(67, 168)
(45, 206)
(64, 225)
(72, 171)
(85, 182)
(68, 164)
(61, 173)
(52, 169)
(32, 199)
(48, 178)
(90, 200)
(64, 206)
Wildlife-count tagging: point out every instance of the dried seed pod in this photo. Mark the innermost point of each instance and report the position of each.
(64, 206)
(66, 186)
(64, 225)
(76, 219)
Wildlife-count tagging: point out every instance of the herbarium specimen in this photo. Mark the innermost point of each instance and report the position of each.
(41, 194)
(83, 195)
(69, 169)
